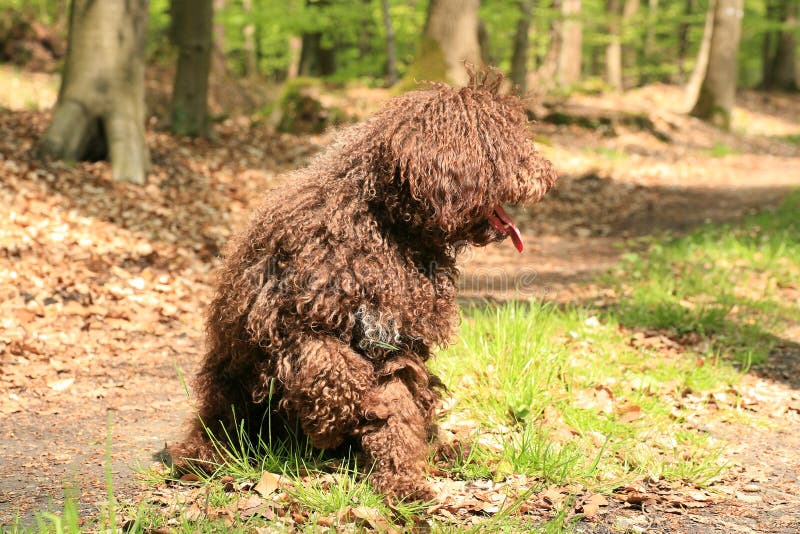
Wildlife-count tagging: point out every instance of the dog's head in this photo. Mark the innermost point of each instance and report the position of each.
(446, 160)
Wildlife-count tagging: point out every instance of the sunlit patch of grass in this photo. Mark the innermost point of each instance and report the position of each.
(601, 396)
(559, 387)
(791, 138)
(723, 283)
(720, 150)
(609, 153)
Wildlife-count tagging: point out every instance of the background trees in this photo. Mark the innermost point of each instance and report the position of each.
(714, 79)
(577, 44)
(190, 31)
(100, 109)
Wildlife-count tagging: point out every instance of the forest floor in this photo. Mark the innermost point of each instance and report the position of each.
(102, 285)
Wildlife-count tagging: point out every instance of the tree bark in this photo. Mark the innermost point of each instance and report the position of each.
(569, 58)
(391, 53)
(650, 38)
(219, 61)
(314, 59)
(683, 40)
(295, 53)
(630, 68)
(192, 28)
(770, 36)
(614, 47)
(249, 34)
(449, 40)
(783, 73)
(519, 57)
(549, 66)
(717, 90)
(100, 108)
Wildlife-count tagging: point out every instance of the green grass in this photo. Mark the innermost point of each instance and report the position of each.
(611, 154)
(791, 138)
(720, 150)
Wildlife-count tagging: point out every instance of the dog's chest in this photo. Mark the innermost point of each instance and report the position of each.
(412, 313)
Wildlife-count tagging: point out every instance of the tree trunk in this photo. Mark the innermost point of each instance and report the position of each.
(614, 48)
(519, 57)
(219, 61)
(295, 54)
(717, 91)
(569, 58)
(100, 109)
(314, 59)
(650, 38)
(783, 73)
(249, 34)
(391, 53)
(192, 26)
(630, 68)
(449, 40)
(683, 40)
(549, 65)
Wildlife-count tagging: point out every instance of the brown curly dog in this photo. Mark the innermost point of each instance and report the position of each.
(332, 300)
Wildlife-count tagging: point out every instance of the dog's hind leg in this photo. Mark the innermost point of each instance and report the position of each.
(325, 389)
(396, 441)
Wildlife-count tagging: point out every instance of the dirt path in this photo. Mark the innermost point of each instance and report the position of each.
(102, 288)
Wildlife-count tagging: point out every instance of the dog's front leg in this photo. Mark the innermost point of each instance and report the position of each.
(325, 389)
(395, 441)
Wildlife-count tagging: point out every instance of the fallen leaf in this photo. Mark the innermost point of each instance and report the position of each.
(629, 413)
(60, 385)
(253, 506)
(267, 484)
(190, 477)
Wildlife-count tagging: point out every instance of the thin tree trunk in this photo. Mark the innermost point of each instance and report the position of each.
(519, 57)
(630, 67)
(701, 66)
(614, 48)
(770, 37)
(717, 91)
(683, 41)
(249, 34)
(314, 59)
(100, 109)
(219, 60)
(295, 53)
(650, 37)
(549, 67)
(391, 54)
(783, 66)
(192, 33)
(569, 59)
(450, 40)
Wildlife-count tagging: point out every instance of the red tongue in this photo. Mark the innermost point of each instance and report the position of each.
(503, 224)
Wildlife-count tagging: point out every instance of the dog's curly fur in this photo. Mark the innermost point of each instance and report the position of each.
(331, 301)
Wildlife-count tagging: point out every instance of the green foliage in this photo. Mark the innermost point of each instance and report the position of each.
(355, 30)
